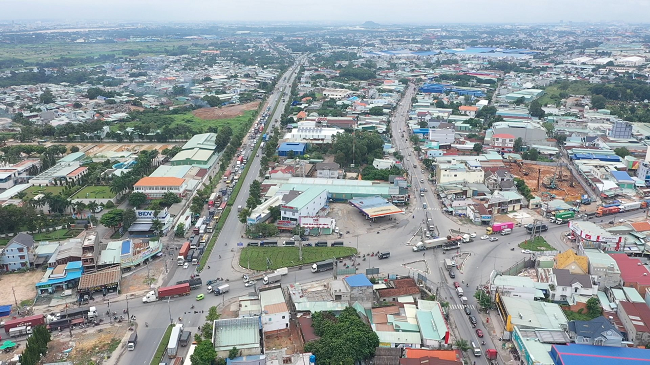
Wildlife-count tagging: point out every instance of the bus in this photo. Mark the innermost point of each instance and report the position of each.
(213, 197)
(197, 226)
(210, 228)
(222, 206)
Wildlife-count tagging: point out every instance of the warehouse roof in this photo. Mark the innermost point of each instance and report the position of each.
(204, 141)
(243, 333)
(358, 280)
(597, 355)
(375, 206)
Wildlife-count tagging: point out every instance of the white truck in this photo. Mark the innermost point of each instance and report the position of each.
(20, 331)
(506, 231)
(460, 293)
(172, 345)
(272, 278)
(467, 238)
(223, 289)
(282, 271)
(425, 245)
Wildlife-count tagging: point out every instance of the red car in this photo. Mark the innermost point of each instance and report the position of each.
(479, 333)
(456, 285)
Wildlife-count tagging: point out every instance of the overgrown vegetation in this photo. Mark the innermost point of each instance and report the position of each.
(594, 310)
(523, 188)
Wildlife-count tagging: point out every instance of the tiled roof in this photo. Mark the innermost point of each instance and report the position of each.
(160, 181)
(641, 226)
(568, 257)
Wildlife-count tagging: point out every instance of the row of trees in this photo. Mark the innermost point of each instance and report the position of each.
(36, 346)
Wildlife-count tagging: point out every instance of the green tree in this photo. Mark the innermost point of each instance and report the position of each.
(233, 353)
(598, 102)
(593, 307)
(622, 152)
(516, 147)
(531, 155)
(243, 215)
(46, 97)
(520, 100)
(212, 100)
(550, 127)
(478, 148)
(136, 199)
(376, 110)
(462, 345)
(483, 299)
(535, 109)
(112, 218)
(404, 81)
(156, 227)
(178, 90)
(74, 149)
(180, 230)
(170, 199)
(275, 213)
(128, 218)
(423, 124)
(204, 354)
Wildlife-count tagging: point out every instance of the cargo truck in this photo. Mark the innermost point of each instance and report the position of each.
(498, 227)
(20, 331)
(323, 266)
(562, 217)
(607, 211)
(133, 340)
(190, 255)
(220, 290)
(282, 271)
(467, 238)
(166, 292)
(186, 336)
(31, 321)
(272, 278)
(434, 243)
(506, 231)
(540, 227)
(172, 345)
(182, 254)
(460, 293)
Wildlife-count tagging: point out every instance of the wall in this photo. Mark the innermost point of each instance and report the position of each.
(275, 321)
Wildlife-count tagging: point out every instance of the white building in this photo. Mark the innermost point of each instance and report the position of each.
(307, 204)
(275, 313)
(312, 134)
(632, 61)
(156, 187)
(461, 171)
(442, 136)
(568, 285)
(336, 93)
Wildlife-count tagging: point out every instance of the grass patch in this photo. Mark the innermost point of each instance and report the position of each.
(536, 244)
(162, 347)
(57, 235)
(289, 256)
(35, 190)
(4, 241)
(237, 124)
(552, 92)
(94, 192)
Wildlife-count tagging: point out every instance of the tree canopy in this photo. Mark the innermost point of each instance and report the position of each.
(367, 146)
(345, 339)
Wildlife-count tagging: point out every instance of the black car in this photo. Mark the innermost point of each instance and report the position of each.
(307, 244)
(472, 319)
(452, 275)
(467, 310)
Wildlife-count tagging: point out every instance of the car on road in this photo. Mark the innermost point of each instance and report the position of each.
(479, 333)
(456, 284)
(249, 283)
(526, 251)
(473, 235)
(452, 275)
(467, 310)
(186, 265)
(99, 209)
(485, 237)
(472, 319)
(200, 297)
(421, 180)
(492, 239)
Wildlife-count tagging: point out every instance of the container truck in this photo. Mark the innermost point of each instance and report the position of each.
(211, 200)
(172, 345)
(133, 340)
(186, 336)
(167, 292)
(222, 289)
(194, 283)
(607, 211)
(498, 227)
(436, 242)
(563, 217)
(32, 321)
(272, 278)
(323, 266)
(632, 206)
(252, 277)
(182, 254)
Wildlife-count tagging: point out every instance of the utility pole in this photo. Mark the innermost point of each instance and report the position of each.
(15, 300)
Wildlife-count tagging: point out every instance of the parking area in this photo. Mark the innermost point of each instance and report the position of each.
(350, 219)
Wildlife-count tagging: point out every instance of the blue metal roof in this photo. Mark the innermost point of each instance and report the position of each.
(621, 176)
(292, 146)
(126, 247)
(5, 310)
(575, 354)
(68, 276)
(73, 265)
(358, 280)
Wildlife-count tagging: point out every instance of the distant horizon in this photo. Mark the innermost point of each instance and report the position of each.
(340, 12)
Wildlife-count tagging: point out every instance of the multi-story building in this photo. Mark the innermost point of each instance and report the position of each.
(156, 187)
(636, 320)
(503, 142)
(328, 170)
(307, 204)
(18, 254)
(604, 268)
(275, 313)
(459, 171)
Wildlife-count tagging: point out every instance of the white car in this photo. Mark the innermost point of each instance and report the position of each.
(485, 237)
(186, 265)
(473, 235)
(526, 251)
(249, 283)
(99, 209)
(493, 239)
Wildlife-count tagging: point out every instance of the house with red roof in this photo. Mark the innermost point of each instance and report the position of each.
(503, 142)
(636, 320)
(468, 110)
(633, 273)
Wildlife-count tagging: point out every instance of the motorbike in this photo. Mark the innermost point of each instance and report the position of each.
(192, 307)
(364, 258)
(146, 324)
(512, 249)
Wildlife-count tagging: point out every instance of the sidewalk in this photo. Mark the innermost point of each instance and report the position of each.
(495, 329)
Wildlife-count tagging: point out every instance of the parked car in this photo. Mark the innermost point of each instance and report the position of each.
(479, 333)
(467, 310)
(485, 237)
(456, 284)
(493, 239)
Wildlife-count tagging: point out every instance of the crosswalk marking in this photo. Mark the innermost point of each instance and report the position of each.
(460, 306)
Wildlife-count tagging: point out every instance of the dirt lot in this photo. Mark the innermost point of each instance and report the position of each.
(88, 345)
(23, 286)
(137, 281)
(92, 149)
(289, 340)
(230, 111)
(563, 179)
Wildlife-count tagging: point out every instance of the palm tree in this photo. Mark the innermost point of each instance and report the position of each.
(92, 206)
(156, 227)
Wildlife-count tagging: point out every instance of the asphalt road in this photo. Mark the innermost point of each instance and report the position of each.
(395, 236)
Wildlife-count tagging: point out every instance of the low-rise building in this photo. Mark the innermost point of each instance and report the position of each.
(636, 320)
(459, 171)
(275, 313)
(598, 331)
(604, 268)
(568, 285)
(361, 290)
(633, 273)
(156, 187)
(242, 333)
(328, 170)
(18, 253)
(288, 148)
(503, 142)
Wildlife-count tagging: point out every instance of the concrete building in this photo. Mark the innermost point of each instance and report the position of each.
(67, 169)
(18, 173)
(504, 201)
(18, 254)
(243, 333)
(307, 204)
(442, 136)
(361, 290)
(288, 148)
(530, 132)
(328, 170)
(569, 260)
(604, 268)
(633, 273)
(403, 290)
(60, 278)
(598, 332)
(503, 142)
(459, 171)
(312, 135)
(636, 320)
(528, 314)
(156, 187)
(275, 313)
(568, 285)
(336, 93)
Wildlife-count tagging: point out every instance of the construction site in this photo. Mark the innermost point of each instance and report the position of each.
(547, 182)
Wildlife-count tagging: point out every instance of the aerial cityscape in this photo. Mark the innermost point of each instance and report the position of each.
(223, 190)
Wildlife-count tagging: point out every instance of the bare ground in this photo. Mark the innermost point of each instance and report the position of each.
(230, 111)
(563, 179)
(137, 281)
(23, 285)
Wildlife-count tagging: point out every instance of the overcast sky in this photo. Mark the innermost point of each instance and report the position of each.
(355, 12)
